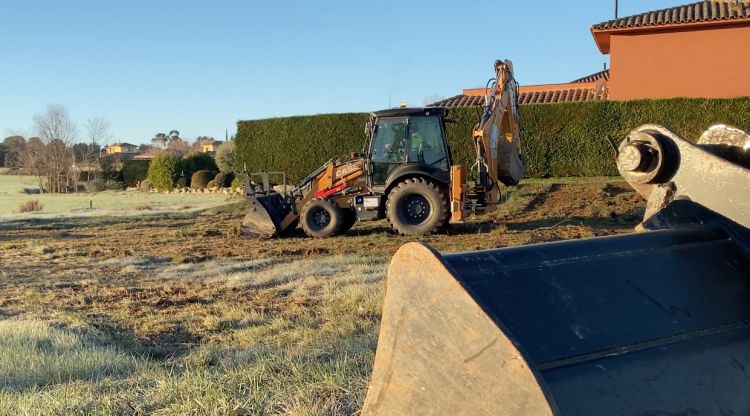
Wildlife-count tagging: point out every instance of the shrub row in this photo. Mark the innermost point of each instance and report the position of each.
(167, 170)
(567, 139)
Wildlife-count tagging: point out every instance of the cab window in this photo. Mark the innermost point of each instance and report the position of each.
(388, 145)
(426, 144)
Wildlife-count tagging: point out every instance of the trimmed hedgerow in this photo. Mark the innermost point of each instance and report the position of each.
(134, 171)
(195, 162)
(224, 179)
(200, 179)
(567, 139)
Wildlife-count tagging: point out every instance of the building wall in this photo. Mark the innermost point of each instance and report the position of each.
(708, 63)
(120, 149)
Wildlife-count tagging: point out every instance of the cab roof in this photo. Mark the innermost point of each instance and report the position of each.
(411, 111)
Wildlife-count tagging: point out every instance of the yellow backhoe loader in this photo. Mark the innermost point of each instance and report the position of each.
(651, 323)
(406, 175)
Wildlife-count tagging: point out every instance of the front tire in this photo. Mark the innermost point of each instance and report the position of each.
(416, 207)
(321, 218)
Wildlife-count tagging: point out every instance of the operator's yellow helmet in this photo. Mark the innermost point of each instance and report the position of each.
(402, 105)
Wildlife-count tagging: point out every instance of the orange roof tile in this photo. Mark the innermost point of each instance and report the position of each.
(593, 77)
(700, 12)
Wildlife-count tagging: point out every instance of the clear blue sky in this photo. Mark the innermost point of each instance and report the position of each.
(199, 66)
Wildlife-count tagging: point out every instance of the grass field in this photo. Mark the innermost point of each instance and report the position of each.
(173, 314)
(12, 196)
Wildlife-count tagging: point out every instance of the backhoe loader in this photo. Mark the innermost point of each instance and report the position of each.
(406, 174)
(651, 323)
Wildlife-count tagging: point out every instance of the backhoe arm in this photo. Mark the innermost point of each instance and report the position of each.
(496, 136)
(498, 148)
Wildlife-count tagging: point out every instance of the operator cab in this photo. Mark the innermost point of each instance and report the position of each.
(414, 136)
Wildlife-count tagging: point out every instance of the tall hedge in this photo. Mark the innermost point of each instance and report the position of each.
(567, 139)
(297, 145)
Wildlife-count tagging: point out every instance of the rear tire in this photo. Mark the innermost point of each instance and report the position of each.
(321, 218)
(416, 207)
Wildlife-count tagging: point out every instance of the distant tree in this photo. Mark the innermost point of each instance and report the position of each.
(14, 147)
(55, 124)
(86, 153)
(178, 146)
(30, 160)
(107, 167)
(160, 140)
(97, 135)
(55, 159)
(171, 141)
(225, 157)
(200, 140)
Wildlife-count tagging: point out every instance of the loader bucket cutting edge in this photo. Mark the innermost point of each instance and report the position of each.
(264, 216)
(648, 323)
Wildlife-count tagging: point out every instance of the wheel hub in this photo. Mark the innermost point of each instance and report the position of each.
(321, 218)
(416, 208)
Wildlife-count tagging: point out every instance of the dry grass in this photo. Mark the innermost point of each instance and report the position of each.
(18, 190)
(172, 314)
(33, 354)
(32, 205)
(277, 337)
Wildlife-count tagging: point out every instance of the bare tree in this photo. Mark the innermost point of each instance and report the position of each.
(55, 158)
(30, 160)
(55, 124)
(98, 135)
(178, 146)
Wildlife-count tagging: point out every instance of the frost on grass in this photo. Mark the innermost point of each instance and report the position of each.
(34, 354)
(216, 270)
(134, 264)
(305, 348)
(311, 357)
(267, 273)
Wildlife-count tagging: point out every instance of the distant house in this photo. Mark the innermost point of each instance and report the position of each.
(697, 51)
(120, 148)
(209, 146)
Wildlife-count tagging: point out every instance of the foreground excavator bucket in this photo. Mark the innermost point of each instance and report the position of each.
(652, 323)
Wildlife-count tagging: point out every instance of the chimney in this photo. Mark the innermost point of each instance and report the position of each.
(616, 7)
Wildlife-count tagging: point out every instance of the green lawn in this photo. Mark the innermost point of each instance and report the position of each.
(12, 195)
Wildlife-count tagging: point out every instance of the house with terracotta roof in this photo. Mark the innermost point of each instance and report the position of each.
(210, 145)
(116, 148)
(698, 50)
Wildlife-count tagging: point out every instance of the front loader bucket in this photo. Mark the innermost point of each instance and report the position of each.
(653, 323)
(267, 215)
